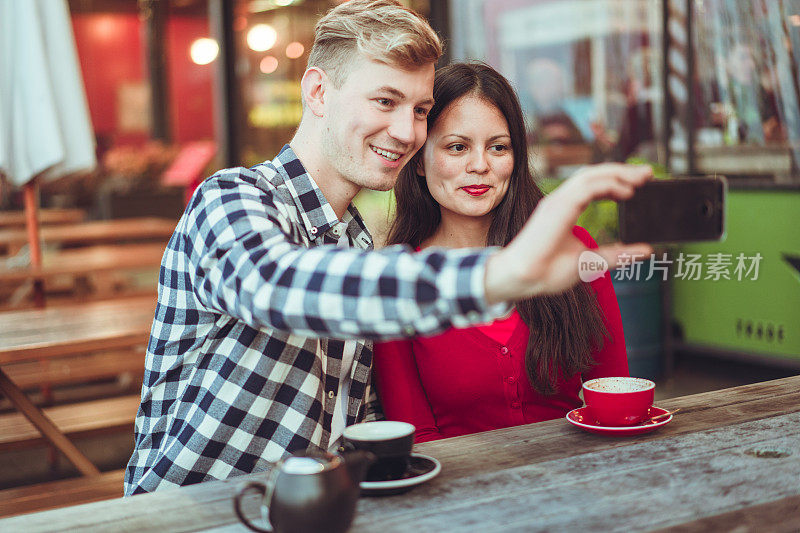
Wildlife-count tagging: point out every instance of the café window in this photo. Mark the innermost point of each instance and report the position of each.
(746, 117)
(588, 74)
(272, 41)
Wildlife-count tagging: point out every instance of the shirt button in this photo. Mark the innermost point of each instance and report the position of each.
(515, 405)
(511, 379)
(473, 316)
(313, 231)
(409, 331)
(504, 350)
(331, 394)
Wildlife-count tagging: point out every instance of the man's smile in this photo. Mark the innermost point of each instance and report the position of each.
(391, 156)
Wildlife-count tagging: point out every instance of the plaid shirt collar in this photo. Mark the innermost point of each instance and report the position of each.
(315, 211)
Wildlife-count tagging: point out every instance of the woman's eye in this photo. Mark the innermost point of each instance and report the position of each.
(499, 148)
(386, 102)
(458, 147)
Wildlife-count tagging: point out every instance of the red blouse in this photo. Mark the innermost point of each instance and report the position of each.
(468, 380)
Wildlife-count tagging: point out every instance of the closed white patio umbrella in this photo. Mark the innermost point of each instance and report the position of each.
(45, 129)
(45, 133)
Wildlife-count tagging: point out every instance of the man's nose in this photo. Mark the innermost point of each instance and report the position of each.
(402, 127)
(478, 162)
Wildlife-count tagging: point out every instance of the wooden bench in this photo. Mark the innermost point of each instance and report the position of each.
(74, 420)
(77, 369)
(95, 232)
(63, 493)
(77, 378)
(46, 217)
(59, 299)
(100, 375)
(84, 261)
(105, 271)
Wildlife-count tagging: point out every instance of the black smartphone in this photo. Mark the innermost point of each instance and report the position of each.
(675, 210)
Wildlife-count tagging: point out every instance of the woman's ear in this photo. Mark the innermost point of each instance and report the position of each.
(313, 86)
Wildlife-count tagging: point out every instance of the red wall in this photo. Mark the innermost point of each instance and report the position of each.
(190, 85)
(111, 52)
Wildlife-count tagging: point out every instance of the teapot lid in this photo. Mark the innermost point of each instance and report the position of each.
(304, 465)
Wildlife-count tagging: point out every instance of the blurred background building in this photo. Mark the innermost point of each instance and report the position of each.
(692, 86)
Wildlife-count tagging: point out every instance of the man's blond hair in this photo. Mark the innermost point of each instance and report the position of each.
(383, 30)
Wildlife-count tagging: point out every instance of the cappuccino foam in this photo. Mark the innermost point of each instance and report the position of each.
(620, 384)
(379, 430)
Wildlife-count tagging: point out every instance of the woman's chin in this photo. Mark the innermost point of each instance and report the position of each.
(475, 212)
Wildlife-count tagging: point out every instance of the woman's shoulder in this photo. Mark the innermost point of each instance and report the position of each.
(584, 236)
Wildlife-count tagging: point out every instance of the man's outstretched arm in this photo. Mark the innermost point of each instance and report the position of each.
(244, 256)
(246, 262)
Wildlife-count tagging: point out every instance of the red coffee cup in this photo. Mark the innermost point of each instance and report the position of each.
(618, 401)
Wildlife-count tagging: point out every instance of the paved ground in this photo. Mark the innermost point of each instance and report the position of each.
(694, 374)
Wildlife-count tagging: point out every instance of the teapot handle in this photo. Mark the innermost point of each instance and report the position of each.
(263, 490)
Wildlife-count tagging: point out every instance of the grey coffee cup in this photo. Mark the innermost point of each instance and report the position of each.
(390, 441)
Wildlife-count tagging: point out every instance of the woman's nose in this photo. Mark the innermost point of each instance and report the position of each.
(478, 163)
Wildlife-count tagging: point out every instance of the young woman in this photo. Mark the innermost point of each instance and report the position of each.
(470, 186)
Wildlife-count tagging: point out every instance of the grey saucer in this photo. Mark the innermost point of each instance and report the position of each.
(421, 468)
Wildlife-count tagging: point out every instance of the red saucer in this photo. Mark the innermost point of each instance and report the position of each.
(579, 417)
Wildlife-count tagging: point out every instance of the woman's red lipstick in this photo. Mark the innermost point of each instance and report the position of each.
(475, 190)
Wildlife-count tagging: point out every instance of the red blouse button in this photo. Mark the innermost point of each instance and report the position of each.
(515, 405)
(511, 379)
(504, 350)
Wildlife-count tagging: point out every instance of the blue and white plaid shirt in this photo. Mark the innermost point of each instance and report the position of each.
(242, 367)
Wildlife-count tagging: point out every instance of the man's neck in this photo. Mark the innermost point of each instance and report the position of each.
(338, 191)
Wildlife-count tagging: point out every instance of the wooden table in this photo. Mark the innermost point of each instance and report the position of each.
(59, 331)
(701, 472)
(96, 232)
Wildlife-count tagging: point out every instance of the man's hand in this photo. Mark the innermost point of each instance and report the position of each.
(543, 258)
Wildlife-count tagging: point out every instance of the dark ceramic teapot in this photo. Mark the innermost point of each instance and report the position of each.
(309, 493)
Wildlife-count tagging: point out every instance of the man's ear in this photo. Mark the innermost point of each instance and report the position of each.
(313, 86)
(420, 166)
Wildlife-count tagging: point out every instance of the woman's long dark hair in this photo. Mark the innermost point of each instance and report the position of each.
(565, 328)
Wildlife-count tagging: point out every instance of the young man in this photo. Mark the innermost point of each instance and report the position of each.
(268, 281)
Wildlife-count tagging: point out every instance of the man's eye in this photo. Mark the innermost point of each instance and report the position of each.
(422, 112)
(386, 102)
(458, 147)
